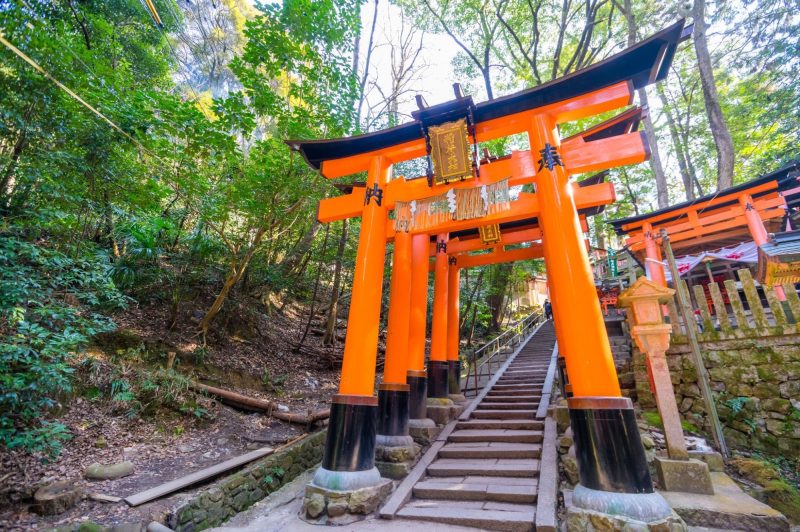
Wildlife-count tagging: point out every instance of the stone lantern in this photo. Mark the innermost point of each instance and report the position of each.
(643, 300)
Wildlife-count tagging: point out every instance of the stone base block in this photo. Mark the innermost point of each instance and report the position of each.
(691, 476)
(423, 431)
(457, 397)
(440, 410)
(395, 470)
(561, 415)
(395, 462)
(325, 506)
(581, 520)
(712, 458)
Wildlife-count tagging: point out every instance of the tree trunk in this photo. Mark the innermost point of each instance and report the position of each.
(330, 327)
(662, 194)
(237, 269)
(678, 143)
(471, 299)
(716, 120)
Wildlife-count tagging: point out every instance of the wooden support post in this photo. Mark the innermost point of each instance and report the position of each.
(700, 367)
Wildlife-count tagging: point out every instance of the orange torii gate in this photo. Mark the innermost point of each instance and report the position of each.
(610, 455)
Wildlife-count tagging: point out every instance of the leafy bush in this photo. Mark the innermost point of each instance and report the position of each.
(48, 304)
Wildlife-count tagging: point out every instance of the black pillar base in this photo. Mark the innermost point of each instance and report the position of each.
(438, 386)
(350, 443)
(454, 376)
(393, 409)
(418, 394)
(608, 448)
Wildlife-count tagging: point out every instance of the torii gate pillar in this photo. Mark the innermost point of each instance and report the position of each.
(421, 427)
(349, 459)
(610, 455)
(453, 326)
(395, 449)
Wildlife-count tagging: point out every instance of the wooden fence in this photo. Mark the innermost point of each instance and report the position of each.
(720, 313)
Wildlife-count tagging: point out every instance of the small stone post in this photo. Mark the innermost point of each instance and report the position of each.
(652, 336)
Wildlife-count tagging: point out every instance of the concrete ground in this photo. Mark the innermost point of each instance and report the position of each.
(280, 511)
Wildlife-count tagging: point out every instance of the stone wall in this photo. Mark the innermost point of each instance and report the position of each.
(756, 384)
(232, 494)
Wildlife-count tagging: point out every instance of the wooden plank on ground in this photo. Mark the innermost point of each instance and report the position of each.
(196, 477)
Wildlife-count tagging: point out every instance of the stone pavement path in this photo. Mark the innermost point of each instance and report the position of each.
(486, 474)
(280, 513)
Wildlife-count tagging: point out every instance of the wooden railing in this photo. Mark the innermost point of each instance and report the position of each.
(720, 312)
(488, 358)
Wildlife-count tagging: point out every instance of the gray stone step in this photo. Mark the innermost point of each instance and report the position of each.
(478, 514)
(478, 489)
(495, 424)
(490, 450)
(513, 398)
(486, 405)
(504, 414)
(497, 467)
(504, 435)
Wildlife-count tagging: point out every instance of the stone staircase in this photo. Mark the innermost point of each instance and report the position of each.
(485, 471)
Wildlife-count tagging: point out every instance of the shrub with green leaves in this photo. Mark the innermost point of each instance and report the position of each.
(49, 303)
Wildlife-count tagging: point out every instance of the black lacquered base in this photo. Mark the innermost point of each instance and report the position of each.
(393, 409)
(350, 444)
(454, 376)
(417, 394)
(438, 386)
(608, 448)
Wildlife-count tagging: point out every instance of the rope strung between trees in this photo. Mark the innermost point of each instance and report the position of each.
(69, 91)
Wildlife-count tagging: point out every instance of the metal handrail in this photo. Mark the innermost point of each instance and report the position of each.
(494, 348)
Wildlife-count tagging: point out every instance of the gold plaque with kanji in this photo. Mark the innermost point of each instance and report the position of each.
(450, 151)
(490, 234)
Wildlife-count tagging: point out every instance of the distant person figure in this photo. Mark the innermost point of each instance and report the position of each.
(548, 310)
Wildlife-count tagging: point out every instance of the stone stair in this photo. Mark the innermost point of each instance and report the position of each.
(486, 473)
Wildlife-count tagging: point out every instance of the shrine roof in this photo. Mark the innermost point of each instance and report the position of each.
(782, 180)
(646, 62)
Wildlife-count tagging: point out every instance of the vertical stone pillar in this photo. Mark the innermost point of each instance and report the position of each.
(614, 477)
(349, 459)
(453, 326)
(652, 335)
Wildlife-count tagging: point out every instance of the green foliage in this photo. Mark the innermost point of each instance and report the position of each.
(49, 303)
